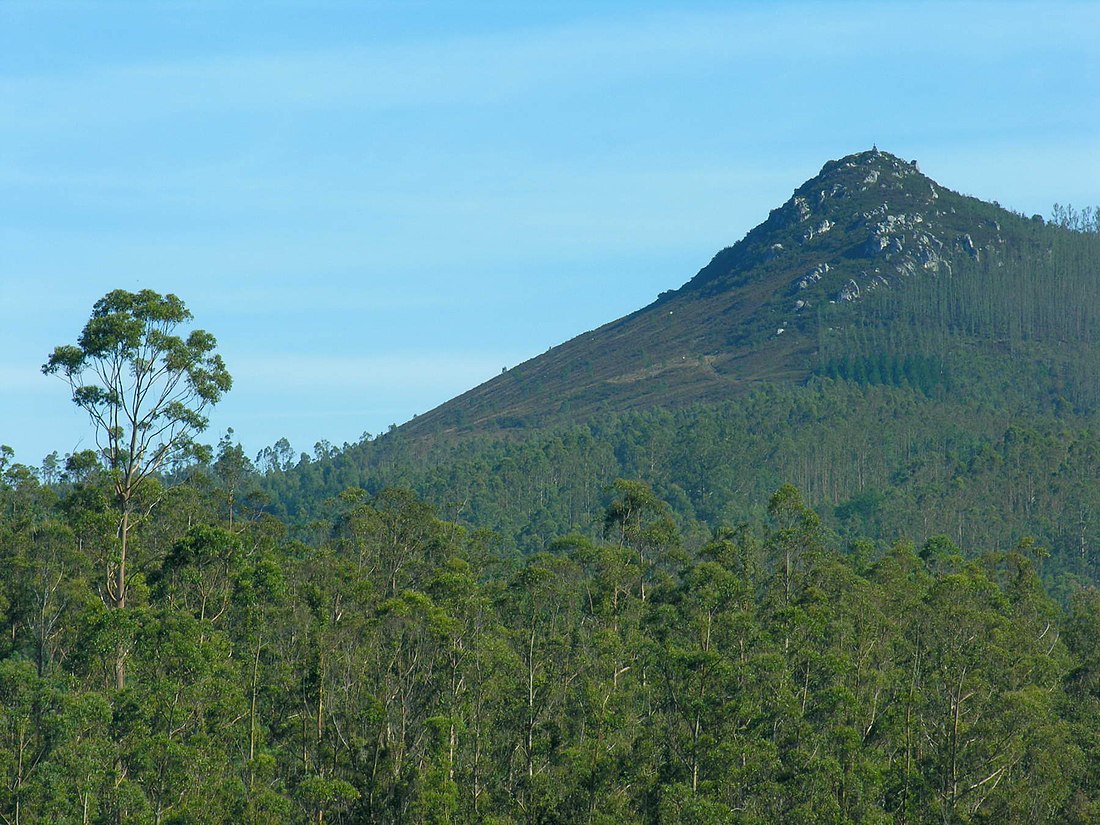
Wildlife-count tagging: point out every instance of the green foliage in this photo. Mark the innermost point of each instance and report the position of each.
(400, 668)
(143, 386)
(875, 461)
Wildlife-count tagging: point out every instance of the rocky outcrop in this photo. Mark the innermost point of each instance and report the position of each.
(865, 222)
(812, 277)
(850, 292)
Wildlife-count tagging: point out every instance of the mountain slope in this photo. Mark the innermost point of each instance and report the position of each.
(917, 362)
(781, 303)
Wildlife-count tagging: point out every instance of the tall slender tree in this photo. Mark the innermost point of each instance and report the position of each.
(145, 388)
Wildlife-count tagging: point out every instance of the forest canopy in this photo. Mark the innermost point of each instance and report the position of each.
(391, 665)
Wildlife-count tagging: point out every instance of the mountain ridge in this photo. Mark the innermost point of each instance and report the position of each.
(866, 222)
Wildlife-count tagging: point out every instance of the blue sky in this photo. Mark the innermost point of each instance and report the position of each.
(377, 205)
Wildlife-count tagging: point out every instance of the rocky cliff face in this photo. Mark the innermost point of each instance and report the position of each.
(898, 244)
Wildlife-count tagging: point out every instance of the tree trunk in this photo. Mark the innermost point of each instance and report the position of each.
(252, 711)
(120, 591)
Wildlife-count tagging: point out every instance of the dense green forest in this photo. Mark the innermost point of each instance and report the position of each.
(876, 460)
(395, 666)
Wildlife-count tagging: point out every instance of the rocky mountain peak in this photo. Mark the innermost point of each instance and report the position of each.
(863, 222)
(864, 176)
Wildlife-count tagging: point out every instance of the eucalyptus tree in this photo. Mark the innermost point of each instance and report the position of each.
(145, 387)
(637, 519)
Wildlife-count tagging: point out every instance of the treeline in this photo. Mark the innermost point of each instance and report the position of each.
(397, 667)
(923, 372)
(1076, 220)
(875, 460)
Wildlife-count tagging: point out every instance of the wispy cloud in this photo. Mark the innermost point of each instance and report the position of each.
(474, 70)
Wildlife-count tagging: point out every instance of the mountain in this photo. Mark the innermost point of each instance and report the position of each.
(780, 304)
(916, 361)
